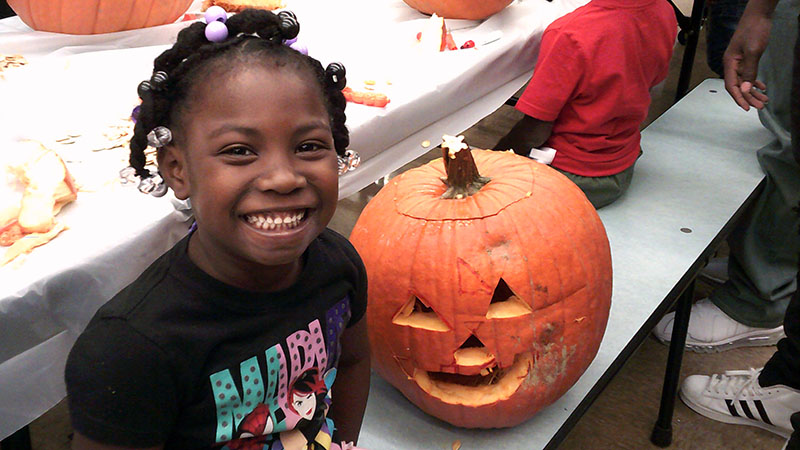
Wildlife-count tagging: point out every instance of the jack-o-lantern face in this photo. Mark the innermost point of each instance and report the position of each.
(484, 309)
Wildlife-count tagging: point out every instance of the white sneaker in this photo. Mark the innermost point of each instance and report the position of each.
(711, 330)
(716, 270)
(736, 397)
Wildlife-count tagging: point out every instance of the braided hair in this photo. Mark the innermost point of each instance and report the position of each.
(253, 34)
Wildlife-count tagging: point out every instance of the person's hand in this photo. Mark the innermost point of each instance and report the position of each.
(741, 60)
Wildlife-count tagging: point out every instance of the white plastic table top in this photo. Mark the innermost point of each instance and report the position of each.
(699, 165)
(72, 81)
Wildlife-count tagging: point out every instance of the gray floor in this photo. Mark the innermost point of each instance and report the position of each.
(623, 415)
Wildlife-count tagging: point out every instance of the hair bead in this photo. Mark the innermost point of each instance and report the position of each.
(128, 175)
(135, 113)
(349, 161)
(300, 47)
(215, 13)
(335, 75)
(153, 185)
(216, 31)
(159, 80)
(143, 89)
(159, 137)
(288, 24)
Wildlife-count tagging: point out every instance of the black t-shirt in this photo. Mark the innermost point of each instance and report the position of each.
(182, 359)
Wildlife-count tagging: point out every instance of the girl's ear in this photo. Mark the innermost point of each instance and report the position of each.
(172, 166)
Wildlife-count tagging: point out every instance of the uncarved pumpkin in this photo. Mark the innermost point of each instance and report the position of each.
(459, 9)
(97, 16)
(488, 305)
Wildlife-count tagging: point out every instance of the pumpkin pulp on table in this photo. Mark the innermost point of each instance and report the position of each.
(489, 285)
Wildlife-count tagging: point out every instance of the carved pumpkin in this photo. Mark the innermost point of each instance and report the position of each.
(459, 9)
(96, 16)
(487, 301)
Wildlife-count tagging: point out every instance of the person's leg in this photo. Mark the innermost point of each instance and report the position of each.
(602, 191)
(748, 309)
(769, 399)
(794, 441)
(792, 335)
(723, 16)
(795, 102)
(764, 246)
(784, 366)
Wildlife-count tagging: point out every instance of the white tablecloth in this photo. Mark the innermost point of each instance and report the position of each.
(78, 82)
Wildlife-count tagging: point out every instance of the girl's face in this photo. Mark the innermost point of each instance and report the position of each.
(304, 404)
(256, 158)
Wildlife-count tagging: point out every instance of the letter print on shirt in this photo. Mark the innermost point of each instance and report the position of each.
(284, 404)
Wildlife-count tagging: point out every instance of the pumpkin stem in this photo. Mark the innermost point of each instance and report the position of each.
(463, 178)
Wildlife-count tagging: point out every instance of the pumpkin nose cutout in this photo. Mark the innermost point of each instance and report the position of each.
(417, 314)
(472, 342)
(473, 357)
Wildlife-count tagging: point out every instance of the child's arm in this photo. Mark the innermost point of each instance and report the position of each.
(528, 133)
(352, 383)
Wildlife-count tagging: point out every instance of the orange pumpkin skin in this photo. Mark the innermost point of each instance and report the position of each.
(459, 9)
(529, 227)
(97, 16)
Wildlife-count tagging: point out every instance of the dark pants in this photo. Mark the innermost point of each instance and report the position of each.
(784, 366)
(723, 16)
(602, 191)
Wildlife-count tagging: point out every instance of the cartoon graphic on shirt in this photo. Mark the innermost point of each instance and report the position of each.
(285, 405)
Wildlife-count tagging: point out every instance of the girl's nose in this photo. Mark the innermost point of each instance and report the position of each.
(280, 174)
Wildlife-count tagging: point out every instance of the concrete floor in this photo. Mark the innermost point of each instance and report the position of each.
(623, 415)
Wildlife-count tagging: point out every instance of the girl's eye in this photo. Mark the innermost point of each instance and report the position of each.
(310, 147)
(238, 151)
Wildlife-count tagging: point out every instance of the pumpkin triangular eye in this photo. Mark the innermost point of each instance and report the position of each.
(415, 313)
(505, 303)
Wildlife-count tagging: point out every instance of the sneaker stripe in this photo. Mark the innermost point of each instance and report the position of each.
(731, 408)
(762, 411)
(746, 410)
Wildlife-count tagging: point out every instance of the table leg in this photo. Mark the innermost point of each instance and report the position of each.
(20, 440)
(693, 35)
(662, 431)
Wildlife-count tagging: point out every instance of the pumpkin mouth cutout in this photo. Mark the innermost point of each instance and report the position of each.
(490, 386)
(487, 377)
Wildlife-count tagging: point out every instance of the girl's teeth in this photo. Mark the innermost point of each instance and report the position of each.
(272, 223)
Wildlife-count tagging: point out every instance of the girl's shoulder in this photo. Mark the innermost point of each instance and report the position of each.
(333, 243)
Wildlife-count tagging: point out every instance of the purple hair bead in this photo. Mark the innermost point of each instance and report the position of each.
(300, 47)
(216, 14)
(135, 113)
(289, 42)
(216, 31)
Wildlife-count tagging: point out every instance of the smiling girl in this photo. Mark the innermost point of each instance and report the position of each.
(261, 292)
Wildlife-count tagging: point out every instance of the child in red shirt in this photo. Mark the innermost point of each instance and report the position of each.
(590, 92)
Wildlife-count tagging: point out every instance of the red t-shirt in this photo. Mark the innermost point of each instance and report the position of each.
(595, 69)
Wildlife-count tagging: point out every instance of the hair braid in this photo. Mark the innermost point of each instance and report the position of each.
(341, 136)
(192, 50)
